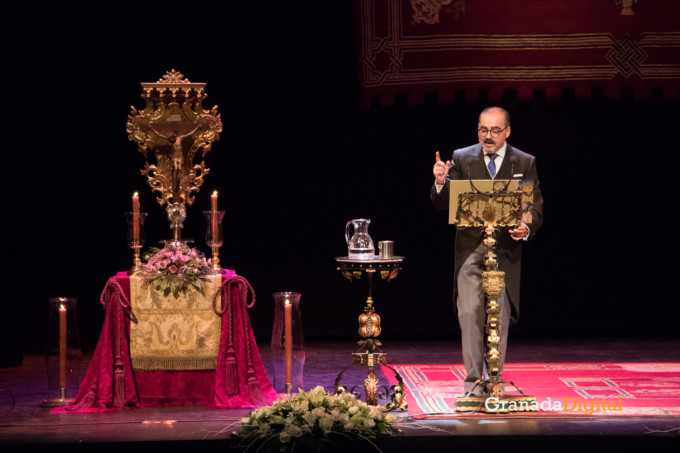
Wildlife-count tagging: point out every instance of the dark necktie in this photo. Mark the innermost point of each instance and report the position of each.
(492, 165)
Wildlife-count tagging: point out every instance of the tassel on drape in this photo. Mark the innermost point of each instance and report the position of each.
(231, 380)
(113, 290)
(119, 387)
(254, 392)
(231, 371)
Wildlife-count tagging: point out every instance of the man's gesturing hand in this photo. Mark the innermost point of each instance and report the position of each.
(520, 232)
(440, 169)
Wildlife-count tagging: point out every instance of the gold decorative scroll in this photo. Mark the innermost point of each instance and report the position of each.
(169, 333)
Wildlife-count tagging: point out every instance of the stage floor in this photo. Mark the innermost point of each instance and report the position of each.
(24, 425)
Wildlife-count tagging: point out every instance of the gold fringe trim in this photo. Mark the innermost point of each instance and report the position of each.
(173, 363)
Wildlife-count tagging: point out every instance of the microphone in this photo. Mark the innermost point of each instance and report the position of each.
(513, 161)
(469, 167)
(475, 160)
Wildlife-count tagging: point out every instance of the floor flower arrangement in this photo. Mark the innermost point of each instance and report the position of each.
(315, 421)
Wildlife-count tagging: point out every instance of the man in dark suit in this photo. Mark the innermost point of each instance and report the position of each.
(492, 158)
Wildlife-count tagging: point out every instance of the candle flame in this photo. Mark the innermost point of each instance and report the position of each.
(214, 193)
(136, 194)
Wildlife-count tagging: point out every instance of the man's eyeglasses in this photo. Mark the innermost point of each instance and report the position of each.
(495, 132)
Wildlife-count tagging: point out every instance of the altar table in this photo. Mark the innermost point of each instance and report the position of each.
(240, 379)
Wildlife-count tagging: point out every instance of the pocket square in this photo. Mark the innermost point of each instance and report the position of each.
(518, 175)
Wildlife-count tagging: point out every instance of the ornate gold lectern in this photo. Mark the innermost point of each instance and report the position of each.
(492, 205)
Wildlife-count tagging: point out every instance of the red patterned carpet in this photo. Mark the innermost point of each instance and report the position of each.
(561, 389)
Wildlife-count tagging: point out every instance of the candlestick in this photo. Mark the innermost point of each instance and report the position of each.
(288, 333)
(62, 350)
(135, 235)
(213, 205)
(135, 217)
(213, 233)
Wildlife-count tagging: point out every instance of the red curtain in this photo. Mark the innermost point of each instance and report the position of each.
(414, 47)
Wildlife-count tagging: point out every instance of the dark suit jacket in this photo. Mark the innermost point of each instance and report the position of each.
(468, 163)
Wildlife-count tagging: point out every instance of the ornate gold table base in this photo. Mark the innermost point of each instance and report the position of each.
(369, 353)
(493, 283)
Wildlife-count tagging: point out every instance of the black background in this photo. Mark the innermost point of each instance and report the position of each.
(298, 158)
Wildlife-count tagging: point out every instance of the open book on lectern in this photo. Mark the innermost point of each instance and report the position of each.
(501, 202)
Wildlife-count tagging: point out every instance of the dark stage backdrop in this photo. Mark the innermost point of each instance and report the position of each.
(298, 158)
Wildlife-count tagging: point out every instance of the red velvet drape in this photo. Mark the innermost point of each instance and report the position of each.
(111, 383)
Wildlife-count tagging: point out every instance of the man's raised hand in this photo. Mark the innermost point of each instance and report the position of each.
(440, 169)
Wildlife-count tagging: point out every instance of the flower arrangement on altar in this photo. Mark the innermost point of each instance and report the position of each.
(316, 421)
(175, 268)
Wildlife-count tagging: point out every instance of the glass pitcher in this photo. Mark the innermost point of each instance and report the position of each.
(360, 245)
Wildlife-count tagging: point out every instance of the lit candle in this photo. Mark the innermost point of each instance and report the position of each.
(213, 206)
(62, 346)
(135, 218)
(288, 330)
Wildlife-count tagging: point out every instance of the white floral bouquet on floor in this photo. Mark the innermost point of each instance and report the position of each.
(315, 421)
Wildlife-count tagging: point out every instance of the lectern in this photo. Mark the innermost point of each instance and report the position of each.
(492, 205)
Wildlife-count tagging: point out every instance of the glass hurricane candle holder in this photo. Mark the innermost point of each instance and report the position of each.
(63, 353)
(214, 237)
(136, 238)
(288, 344)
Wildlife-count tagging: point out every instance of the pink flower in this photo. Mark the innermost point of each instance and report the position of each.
(173, 269)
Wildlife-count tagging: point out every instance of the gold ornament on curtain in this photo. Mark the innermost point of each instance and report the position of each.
(174, 126)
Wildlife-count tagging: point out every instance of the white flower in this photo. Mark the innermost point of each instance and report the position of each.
(316, 396)
(319, 412)
(293, 430)
(376, 412)
(348, 397)
(369, 423)
(326, 424)
(284, 437)
(389, 418)
(264, 428)
(353, 410)
(310, 418)
(300, 406)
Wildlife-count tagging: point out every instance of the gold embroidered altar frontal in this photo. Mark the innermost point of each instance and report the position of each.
(168, 333)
